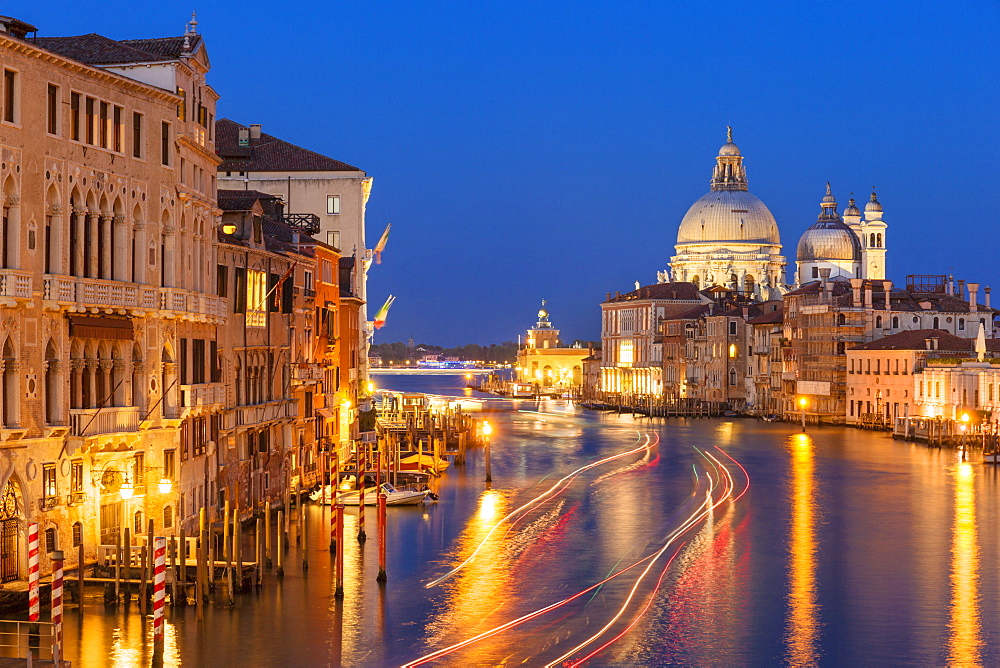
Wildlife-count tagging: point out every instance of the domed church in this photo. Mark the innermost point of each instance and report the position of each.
(848, 247)
(729, 237)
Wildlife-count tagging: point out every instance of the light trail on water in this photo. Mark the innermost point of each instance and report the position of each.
(552, 491)
(728, 485)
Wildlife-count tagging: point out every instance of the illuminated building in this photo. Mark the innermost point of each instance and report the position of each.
(763, 343)
(545, 363)
(313, 187)
(824, 319)
(728, 237)
(107, 260)
(631, 335)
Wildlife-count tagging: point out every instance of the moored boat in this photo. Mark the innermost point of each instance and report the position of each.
(423, 462)
(352, 497)
(991, 457)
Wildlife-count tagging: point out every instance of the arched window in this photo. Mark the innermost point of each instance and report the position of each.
(871, 240)
(137, 524)
(52, 384)
(10, 393)
(878, 240)
(878, 322)
(77, 534)
(168, 517)
(895, 322)
(732, 376)
(937, 323)
(841, 319)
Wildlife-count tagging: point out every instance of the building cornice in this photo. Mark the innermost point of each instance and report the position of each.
(32, 51)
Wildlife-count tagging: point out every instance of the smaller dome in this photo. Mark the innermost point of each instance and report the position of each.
(873, 203)
(829, 240)
(729, 148)
(542, 314)
(852, 208)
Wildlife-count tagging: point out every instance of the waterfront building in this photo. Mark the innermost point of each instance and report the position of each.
(545, 362)
(679, 332)
(631, 335)
(323, 196)
(763, 344)
(107, 250)
(823, 319)
(729, 237)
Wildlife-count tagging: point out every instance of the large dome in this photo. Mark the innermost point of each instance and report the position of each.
(728, 216)
(829, 240)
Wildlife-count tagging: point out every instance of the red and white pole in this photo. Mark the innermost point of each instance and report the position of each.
(334, 484)
(381, 537)
(33, 572)
(338, 590)
(362, 465)
(57, 605)
(159, 590)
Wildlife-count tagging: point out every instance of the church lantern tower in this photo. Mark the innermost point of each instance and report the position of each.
(872, 235)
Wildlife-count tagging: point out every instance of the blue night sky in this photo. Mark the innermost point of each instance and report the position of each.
(529, 150)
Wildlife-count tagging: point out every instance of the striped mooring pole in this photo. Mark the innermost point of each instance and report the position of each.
(57, 605)
(33, 572)
(159, 591)
(338, 590)
(381, 537)
(362, 460)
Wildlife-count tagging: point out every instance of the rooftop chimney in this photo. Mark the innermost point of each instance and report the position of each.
(868, 296)
(887, 286)
(931, 343)
(856, 291)
(244, 137)
(961, 289)
(986, 296)
(973, 291)
(255, 131)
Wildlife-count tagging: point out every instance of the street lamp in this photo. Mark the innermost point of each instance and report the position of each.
(487, 430)
(165, 485)
(803, 402)
(127, 490)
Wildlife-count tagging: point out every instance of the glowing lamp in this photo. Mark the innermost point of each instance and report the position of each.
(346, 404)
(165, 485)
(487, 429)
(371, 387)
(803, 402)
(127, 491)
(965, 417)
(228, 228)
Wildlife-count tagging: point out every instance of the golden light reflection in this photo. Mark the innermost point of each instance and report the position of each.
(965, 639)
(803, 627)
(488, 506)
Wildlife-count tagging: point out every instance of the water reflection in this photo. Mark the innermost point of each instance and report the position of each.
(964, 641)
(803, 629)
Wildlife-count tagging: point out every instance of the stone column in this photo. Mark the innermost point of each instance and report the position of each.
(117, 378)
(92, 382)
(168, 270)
(91, 232)
(76, 383)
(120, 254)
(53, 241)
(77, 223)
(105, 261)
(139, 252)
(12, 231)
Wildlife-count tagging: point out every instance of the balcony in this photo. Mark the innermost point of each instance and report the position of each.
(48, 502)
(307, 372)
(248, 416)
(202, 395)
(97, 293)
(14, 284)
(96, 421)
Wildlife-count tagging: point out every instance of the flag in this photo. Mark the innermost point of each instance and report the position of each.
(383, 312)
(380, 246)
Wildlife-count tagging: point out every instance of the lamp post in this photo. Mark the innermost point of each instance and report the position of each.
(965, 431)
(487, 430)
(803, 402)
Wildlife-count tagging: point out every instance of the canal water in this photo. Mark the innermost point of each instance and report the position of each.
(835, 547)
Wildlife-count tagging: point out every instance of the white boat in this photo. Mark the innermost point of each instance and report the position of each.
(991, 457)
(351, 497)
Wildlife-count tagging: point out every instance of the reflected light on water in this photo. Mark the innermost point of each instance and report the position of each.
(488, 504)
(965, 640)
(803, 630)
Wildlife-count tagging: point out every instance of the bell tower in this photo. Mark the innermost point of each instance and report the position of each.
(872, 234)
